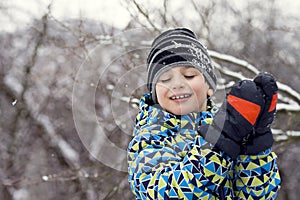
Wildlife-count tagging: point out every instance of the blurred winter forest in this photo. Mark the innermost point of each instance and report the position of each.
(69, 90)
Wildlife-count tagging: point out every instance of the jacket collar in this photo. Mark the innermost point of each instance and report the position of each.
(150, 114)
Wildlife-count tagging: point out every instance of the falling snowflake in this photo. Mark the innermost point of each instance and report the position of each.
(45, 178)
(14, 102)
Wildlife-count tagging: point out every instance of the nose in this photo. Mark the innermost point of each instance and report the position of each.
(178, 83)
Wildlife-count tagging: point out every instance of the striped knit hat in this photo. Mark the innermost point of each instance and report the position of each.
(178, 47)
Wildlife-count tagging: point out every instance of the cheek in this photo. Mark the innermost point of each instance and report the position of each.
(161, 90)
(200, 91)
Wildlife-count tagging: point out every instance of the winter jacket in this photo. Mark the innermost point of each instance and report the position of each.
(169, 160)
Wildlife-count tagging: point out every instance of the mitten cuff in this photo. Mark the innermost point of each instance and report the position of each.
(220, 142)
(259, 143)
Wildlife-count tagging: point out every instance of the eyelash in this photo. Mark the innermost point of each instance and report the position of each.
(165, 80)
(189, 77)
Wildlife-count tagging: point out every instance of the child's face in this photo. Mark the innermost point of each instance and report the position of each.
(182, 90)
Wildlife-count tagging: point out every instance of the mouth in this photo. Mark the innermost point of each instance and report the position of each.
(180, 96)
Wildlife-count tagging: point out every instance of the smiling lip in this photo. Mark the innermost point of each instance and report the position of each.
(180, 97)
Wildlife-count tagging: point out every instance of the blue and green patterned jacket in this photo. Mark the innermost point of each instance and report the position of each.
(169, 160)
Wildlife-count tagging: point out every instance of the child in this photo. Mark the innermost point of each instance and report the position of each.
(184, 147)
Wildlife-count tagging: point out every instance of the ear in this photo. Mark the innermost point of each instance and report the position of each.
(210, 92)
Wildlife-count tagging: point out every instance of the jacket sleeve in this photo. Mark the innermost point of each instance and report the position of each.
(159, 169)
(257, 176)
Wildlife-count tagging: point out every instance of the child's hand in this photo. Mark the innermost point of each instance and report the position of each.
(262, 138)
(234, 123)
(269, 89)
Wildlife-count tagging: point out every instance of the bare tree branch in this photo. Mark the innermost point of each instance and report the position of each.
(234, 60)
(242, 63)
(146, 15)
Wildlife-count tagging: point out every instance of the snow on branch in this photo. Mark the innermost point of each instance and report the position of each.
(288, 103)
(281, 135)
(67, 151)
(70, 155)
(289, 90)
(232, 59)
(228, 72)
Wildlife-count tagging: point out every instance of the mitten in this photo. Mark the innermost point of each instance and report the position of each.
(234, 122)
(262, 138)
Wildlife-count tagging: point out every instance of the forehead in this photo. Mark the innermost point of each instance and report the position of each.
(181, 69)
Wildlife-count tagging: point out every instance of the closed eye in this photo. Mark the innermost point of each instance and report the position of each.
(165, 80)
(189, 76)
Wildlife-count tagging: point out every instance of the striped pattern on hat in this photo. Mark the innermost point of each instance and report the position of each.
(178, 47)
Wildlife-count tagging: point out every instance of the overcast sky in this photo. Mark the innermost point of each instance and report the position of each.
(112, 12)
(109, 11)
